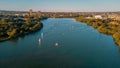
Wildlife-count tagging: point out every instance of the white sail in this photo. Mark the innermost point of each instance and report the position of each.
(39, 41)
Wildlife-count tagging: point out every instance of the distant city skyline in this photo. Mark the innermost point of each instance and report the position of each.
(61, 5)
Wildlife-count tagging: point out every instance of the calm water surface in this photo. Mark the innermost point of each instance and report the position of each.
(79, 46)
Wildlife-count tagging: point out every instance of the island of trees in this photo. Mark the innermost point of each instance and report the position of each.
(103, 25)
(12, 26)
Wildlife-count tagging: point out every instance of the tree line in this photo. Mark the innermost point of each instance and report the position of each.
(14, 27)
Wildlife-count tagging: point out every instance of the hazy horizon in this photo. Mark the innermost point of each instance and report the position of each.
(61, 5)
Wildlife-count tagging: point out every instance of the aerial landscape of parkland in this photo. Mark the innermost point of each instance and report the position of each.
(60, 34)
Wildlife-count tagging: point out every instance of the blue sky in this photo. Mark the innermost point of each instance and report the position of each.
(61, 5)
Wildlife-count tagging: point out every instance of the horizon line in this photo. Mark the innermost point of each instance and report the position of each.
(54, 11)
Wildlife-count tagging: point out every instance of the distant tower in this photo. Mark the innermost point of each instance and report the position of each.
(39, 14)
(30, 12)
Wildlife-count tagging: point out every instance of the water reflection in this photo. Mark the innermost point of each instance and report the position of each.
(118, 48)
(14, 41)
(42, 35)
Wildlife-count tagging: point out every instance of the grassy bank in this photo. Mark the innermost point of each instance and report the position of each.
(106, 26)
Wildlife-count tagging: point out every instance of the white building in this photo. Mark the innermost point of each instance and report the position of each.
(100, 17)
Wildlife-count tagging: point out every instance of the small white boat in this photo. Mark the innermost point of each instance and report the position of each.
(39, 41)
(56, 44)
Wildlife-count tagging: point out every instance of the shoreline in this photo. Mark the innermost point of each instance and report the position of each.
(103, 26)
(25, 33)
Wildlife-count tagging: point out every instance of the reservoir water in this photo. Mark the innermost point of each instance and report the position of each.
(61, 43)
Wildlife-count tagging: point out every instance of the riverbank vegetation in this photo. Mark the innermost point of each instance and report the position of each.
(106, 26)
(13, 27)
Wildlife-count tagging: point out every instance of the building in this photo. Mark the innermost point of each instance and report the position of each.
(39, 14)
(114, 16)
(100, 17)
(30, 12)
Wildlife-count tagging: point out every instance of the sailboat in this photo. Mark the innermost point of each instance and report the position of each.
(39, 41)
